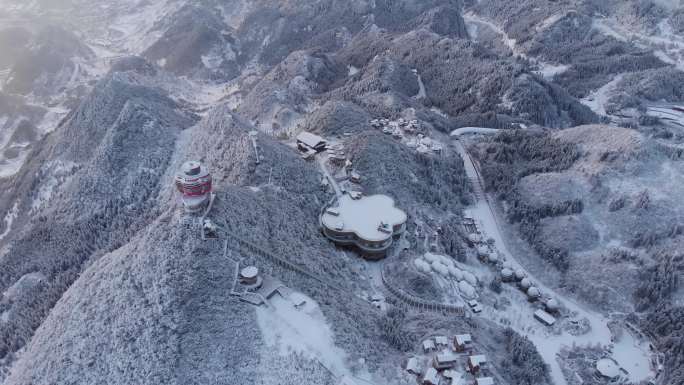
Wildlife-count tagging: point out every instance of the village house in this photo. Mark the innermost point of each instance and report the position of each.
(446, 360)
(463, 342)
(477, 363)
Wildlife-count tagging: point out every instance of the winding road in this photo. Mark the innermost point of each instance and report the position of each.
(548, 344)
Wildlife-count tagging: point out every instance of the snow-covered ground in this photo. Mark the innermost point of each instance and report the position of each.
(304, 330)
(421, 86)
(666, 45)
(597, 99)
(546, 70)
(9, 219)
(628, 354)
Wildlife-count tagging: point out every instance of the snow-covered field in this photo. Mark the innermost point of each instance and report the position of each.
(597, 99)
(666, 45)
(9, 219)
(304, 330)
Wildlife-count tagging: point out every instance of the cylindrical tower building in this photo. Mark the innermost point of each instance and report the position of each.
(193, 181)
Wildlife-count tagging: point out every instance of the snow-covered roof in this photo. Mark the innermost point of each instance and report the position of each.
(428, 344)
(413, 365)
(545, 317)
(478, 359)
(431, 376)
(364, 217)
(249, 272)
(484, 381)
(441, 340)
(446, 357)
(309, 139)
(462, 339)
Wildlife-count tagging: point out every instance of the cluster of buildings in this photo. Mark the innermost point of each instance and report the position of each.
(410, 131)
(487, 254)
(533, 293)
(464, 280)
(450, 362)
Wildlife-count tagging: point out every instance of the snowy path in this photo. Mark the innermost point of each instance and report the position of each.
(597, 99)
(631, 356)
(666, 45)
(321, 163)
(421, 86)
(546, 70)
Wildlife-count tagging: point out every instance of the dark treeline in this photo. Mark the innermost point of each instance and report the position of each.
(513, 155)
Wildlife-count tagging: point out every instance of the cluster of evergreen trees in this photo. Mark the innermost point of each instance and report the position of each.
(510, 156)
(523, 363)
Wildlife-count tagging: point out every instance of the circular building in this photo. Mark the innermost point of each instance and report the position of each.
(194, 183)
(421, 265)
(506, 274)
(370, 223)
(440, 268)
(249, 276)
(552, 305)
(466, 290)
(519, 274)
(533, 292)
(525, 283)
(470, 278)
(456, 273)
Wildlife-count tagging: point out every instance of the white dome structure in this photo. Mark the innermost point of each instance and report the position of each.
(494, 257)
(466, 290)
(431, 257)
(520, 274)
(421, 265)
(456, 273)
(506, 273)
(440, 268)
(446, 260)
(533, 292)
(483, 251)
(552, 304)
(525, 283)
(470, 278)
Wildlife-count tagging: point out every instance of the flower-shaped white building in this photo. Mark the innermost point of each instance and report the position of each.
(369, 223)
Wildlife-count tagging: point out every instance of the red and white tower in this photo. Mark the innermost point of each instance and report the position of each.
(193, 181)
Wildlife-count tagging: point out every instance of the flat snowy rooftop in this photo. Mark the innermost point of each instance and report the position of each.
(364, 216)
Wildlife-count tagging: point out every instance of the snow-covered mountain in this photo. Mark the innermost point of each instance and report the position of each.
(568, 162)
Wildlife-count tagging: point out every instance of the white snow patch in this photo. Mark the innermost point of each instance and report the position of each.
(633, 356)
(548, 70)
(421, 86)
(598, 98)
(474, 130)
(51, 119)
(352, 70)
(302, 330)
(439, 112)
(9, 167)
(9, 219)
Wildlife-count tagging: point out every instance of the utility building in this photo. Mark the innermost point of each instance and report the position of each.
(307, 141)
(194, 183)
